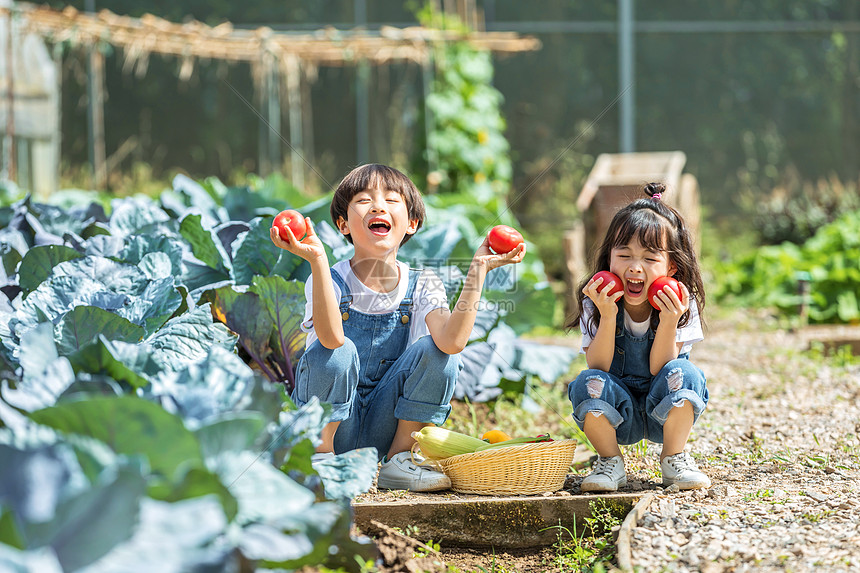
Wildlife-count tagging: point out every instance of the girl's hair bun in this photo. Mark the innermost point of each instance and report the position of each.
(655, 189)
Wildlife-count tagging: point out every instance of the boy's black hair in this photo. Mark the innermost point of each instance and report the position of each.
(658, 227)
(373, 175)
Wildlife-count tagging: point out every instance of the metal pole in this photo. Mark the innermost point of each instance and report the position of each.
(362, 94)
(626, 74)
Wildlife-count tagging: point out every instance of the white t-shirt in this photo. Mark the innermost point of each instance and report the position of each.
(688, 335)
(429, 295)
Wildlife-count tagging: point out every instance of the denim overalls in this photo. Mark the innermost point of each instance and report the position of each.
(374, 379)
(633, 401)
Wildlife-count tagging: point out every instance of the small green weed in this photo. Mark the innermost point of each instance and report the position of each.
(760, 494)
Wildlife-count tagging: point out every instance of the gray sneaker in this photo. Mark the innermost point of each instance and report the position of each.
(608, 475)
(680, 469)
(401, 472)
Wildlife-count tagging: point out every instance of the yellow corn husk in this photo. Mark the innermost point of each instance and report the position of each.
(439, 443)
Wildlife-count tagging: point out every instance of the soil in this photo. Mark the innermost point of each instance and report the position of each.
(780, 440)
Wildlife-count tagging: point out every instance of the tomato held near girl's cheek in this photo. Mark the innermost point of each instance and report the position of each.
(609, 277)
(658, 285)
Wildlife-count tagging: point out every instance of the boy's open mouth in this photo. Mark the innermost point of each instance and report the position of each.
(379, 227)
(635, 287)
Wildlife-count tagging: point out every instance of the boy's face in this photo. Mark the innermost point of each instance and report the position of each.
(377, 220)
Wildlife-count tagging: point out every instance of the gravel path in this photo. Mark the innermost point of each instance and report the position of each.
(781, 443)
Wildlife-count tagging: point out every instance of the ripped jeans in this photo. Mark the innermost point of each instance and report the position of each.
(637, 408)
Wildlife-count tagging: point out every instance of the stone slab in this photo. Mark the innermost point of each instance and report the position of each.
(510, 522)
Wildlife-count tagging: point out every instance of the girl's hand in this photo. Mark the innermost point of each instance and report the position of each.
(599, 294)
(490, 260)
(672, 307)
(309, 248)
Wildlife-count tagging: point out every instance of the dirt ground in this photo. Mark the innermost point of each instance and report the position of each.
(780, 442)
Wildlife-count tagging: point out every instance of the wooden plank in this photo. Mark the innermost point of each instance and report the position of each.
(512, 522)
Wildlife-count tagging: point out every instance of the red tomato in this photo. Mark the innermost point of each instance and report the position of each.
(292, 219)
(504, 239)
(608, 278)
(658, 285)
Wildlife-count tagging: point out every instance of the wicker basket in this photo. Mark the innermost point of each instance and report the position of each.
(516, 470)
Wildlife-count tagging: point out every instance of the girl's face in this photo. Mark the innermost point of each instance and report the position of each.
(377, 220)
(637, 267)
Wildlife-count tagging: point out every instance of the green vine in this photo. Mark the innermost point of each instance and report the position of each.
(466, 149)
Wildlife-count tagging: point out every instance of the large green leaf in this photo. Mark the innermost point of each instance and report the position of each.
(256, 254)
(219, 383)
(129, 425)
(197, 482)
(231, 432)
(135, 215)
(129, 363)
(152, 307)
(246, 315)
(45, 375)
(285, 303)
(58, 295)
(39, 262)
(204, 246)
(136, 247)
(188, 338)
(86, 323)
(264, 493)
(348, 474)
(186, 535)
(118, 277)
(42, 560)
(87, 526)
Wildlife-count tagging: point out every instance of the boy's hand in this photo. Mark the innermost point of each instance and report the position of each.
(672, 307)
(598, 292)
(491, 260)
(309, 248)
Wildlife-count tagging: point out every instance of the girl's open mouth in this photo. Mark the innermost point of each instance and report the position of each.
(635, 287)
(379, 227)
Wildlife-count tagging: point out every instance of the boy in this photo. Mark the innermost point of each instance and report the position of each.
(382, 346)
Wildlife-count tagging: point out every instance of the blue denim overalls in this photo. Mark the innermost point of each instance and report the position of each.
(633, 401)
(374, 379)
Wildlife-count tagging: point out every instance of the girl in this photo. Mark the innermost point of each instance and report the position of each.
(639, 382)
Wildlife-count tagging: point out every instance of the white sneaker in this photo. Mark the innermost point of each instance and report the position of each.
(400, 472)
(680, 469)
(608, 475)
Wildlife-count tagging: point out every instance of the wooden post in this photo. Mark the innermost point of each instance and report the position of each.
(95, 114)
(273, 114)
(362, 94)
(427, 84)
(307, 112)
(263, 167)
(9, 159)
(294, 95)
(57, 136)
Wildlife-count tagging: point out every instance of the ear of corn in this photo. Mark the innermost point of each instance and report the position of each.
(515, 442)
(439, 443)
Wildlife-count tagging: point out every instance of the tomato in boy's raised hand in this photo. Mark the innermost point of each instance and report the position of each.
(658, 285)
(292, 219)
(609, 277)
(504, 239)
